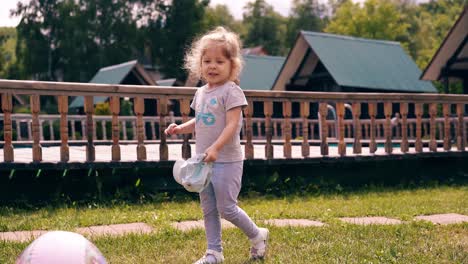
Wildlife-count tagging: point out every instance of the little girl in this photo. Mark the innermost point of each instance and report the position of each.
(215, 58)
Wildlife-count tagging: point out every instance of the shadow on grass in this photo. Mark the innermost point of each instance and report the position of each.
(31, 190)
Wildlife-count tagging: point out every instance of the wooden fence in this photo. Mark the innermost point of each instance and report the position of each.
(430, 119)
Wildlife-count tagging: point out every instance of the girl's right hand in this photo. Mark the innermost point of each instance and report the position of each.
(172, 129)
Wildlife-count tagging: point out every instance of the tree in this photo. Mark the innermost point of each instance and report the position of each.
(69, 40)
(305, 15)
(220, 15)
(377, 19)
(33, 45)
(265, 27)
(7, 50)
(433, 21)
(2, 56)
(183, 22)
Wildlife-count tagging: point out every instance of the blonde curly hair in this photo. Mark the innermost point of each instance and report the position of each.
(231, 46)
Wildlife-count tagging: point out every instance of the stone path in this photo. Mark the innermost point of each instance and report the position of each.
(105, 230)
(142, 228)
(370, 220)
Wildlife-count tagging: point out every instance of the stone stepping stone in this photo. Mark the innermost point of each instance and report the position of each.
(189, 225)
(374, 220)
(443, 219)
(112, 230)
(293, 222)
(199, 224)
(115, 230)
(21, 236)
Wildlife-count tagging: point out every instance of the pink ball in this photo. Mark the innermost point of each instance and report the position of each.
(61, 247)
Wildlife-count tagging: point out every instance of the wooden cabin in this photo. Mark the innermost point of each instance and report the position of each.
(450, 63)
(325, 62)
(131, 73)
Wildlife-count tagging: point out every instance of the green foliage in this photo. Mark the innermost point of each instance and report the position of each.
(305, 15)
(19, 109)
(219, 15)
(55, 129)
(433, 21)
(376, 19)
(183, 21)
(2, 56)
(102, 108)
(126, 108)
(70, 40)
(265, 27)
(7, 52)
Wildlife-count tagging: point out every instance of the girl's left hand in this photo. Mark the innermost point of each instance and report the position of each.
(211, 155)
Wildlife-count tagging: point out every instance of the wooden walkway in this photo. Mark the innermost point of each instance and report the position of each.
(129, 153)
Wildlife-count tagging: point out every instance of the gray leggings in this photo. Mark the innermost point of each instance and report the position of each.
(220, 199)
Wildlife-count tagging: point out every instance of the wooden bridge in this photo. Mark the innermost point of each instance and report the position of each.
(291, 126)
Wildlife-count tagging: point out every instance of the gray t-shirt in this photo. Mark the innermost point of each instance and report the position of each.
(210, 107)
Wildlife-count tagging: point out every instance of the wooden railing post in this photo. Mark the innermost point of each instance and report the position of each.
(115, 110)
(185, 111)
(305, 111)
(372, 113)
(268, 111)
(433, 115)
(287, 129)
(404, 127)
(35, 109)
(460, 127)
(323, 110)
(89, 110)
(139, 110)
(357, 146)
(162, 110)
(63, 110)
(7, 108)
(418, 108)
(446, 112)
(340, 110)
(388, 127)
(249, 149)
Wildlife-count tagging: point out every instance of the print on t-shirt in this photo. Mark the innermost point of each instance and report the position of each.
(205, 115)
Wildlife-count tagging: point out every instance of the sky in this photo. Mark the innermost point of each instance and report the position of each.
(236, 7)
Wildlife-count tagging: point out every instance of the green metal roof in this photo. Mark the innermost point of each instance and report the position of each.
(166, 82)
(260, 72)
(114, 74)
(366, 63)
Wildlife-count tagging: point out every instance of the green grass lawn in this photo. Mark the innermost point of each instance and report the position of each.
(411, 242)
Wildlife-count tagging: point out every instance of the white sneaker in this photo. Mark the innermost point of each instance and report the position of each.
(211, 257)
(259, 244)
